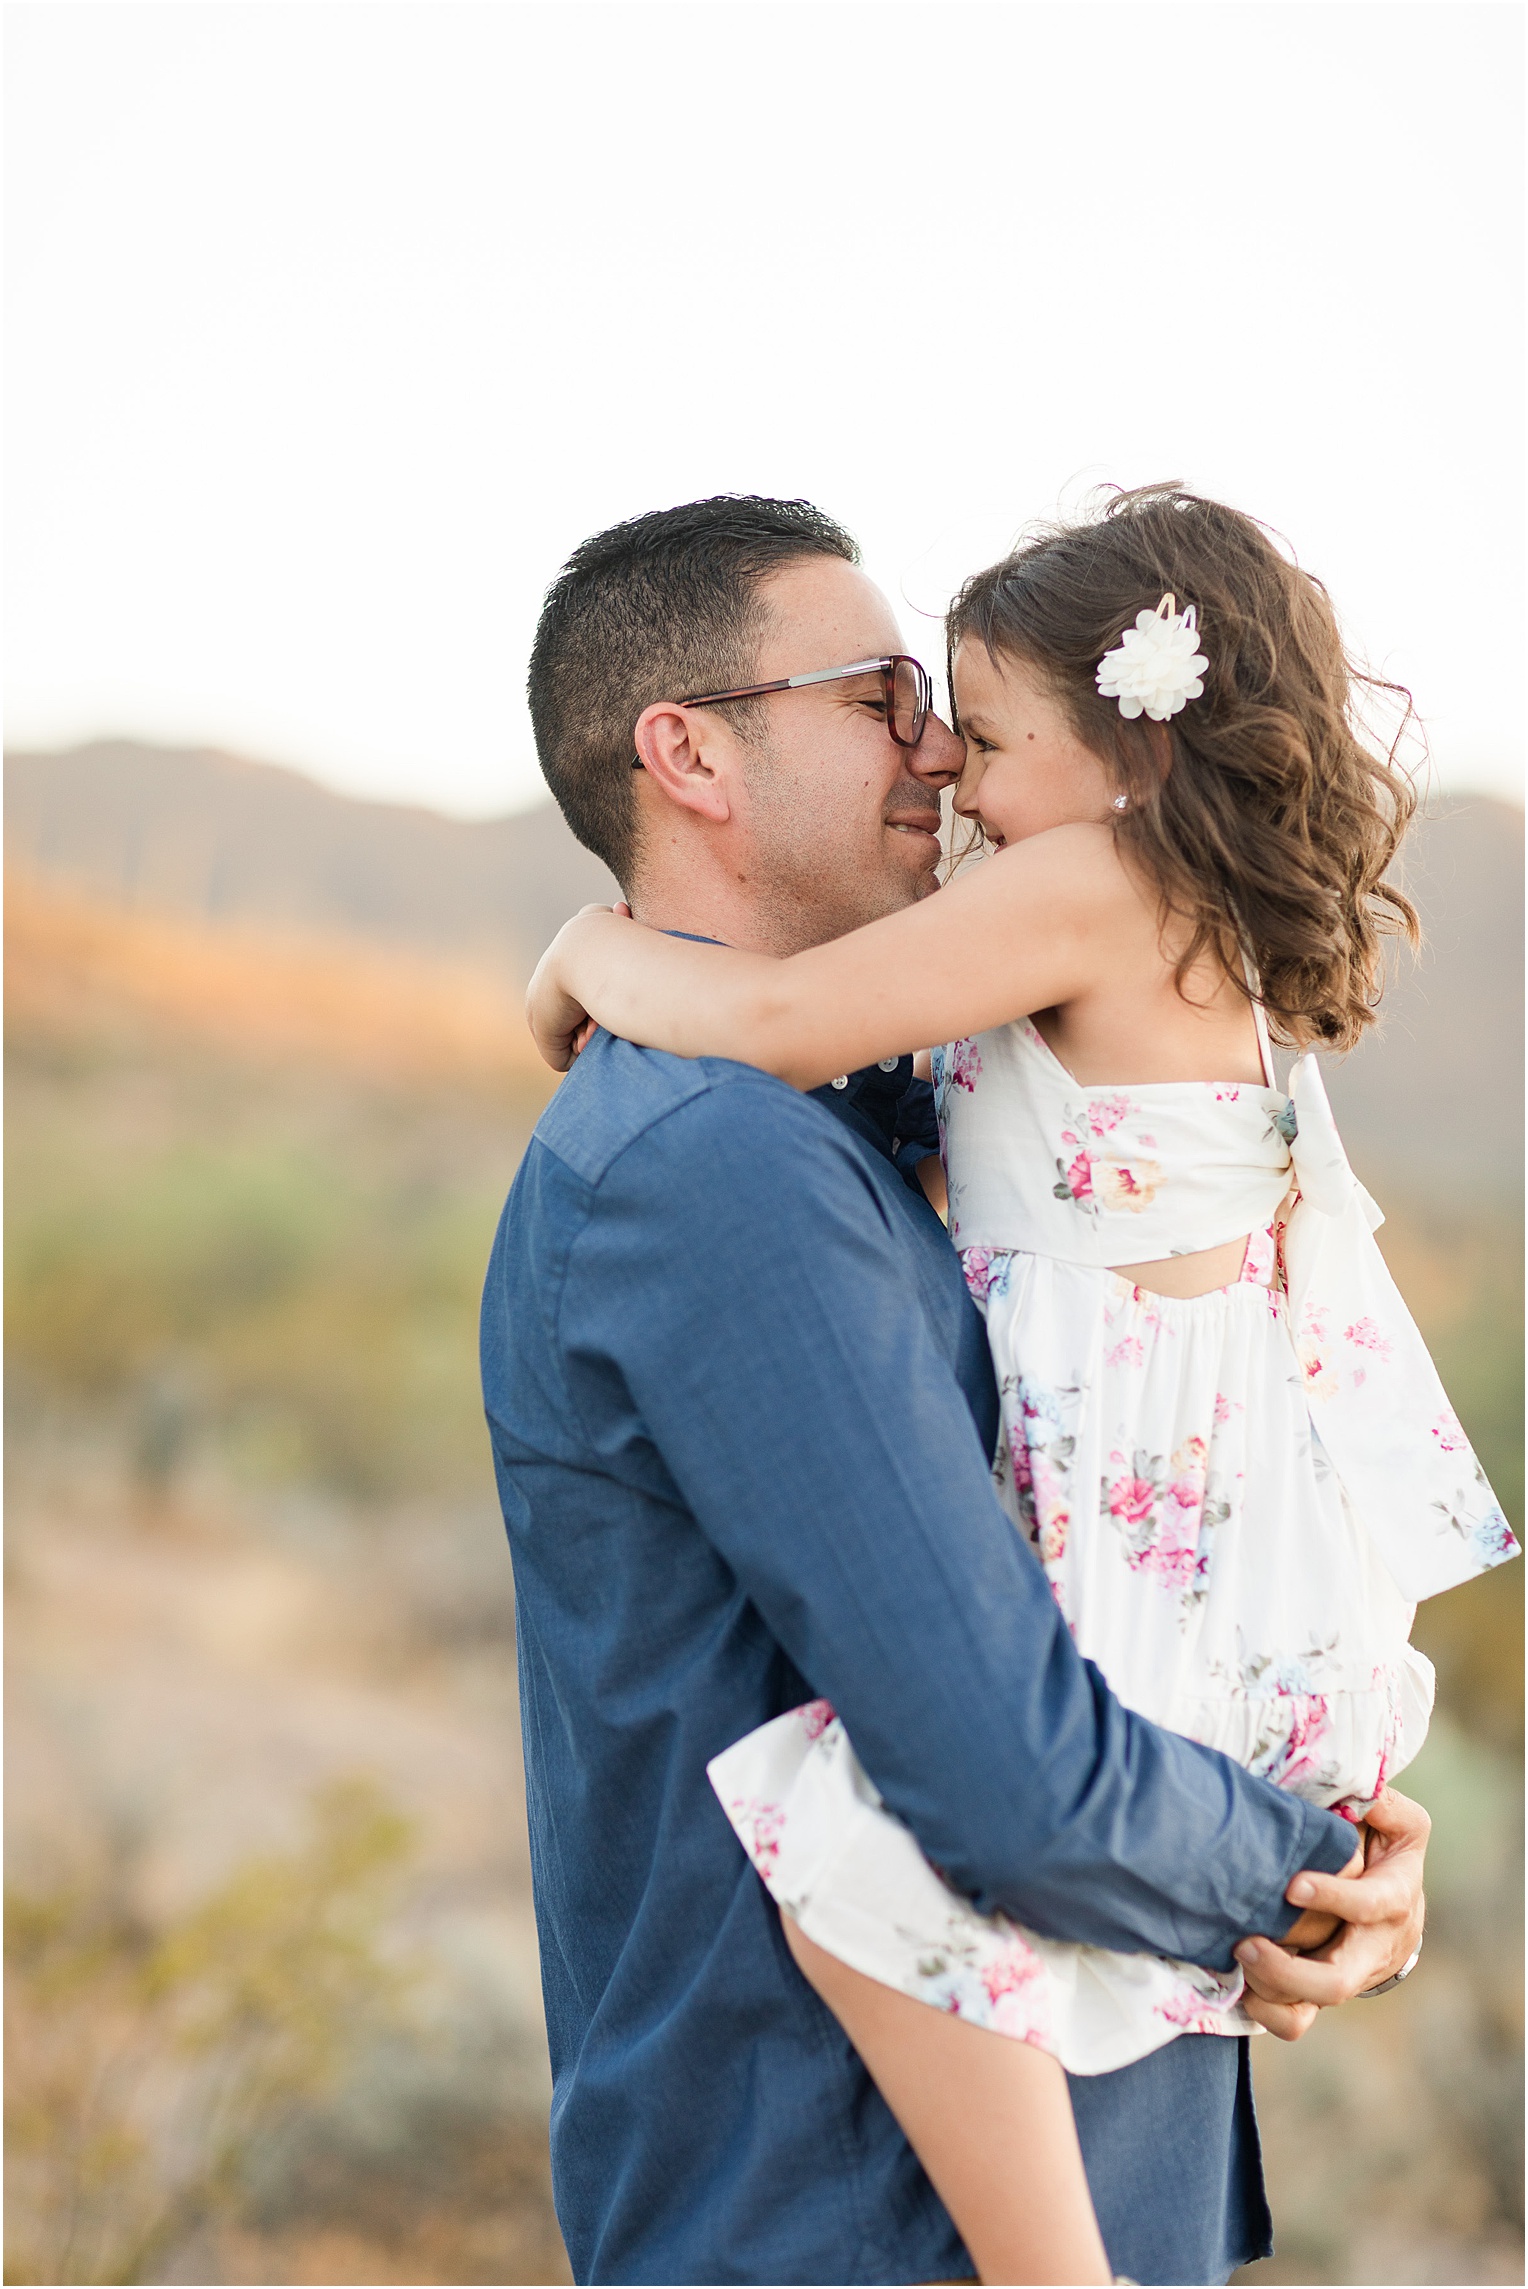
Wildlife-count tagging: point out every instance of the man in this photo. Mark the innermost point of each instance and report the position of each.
(742, 1411)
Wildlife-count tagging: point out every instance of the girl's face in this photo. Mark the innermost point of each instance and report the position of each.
(1025, 767)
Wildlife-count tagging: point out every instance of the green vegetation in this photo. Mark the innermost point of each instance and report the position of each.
(146, 2070)
(319, 1323)
(283, 1268)
(1463, 1279)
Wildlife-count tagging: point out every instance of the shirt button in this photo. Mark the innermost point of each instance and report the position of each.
(840, 1080)
(890, 1064)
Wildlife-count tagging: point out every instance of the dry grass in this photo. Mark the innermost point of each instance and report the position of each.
(74, 963)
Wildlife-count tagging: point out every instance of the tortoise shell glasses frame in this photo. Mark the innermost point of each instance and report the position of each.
(906, 682)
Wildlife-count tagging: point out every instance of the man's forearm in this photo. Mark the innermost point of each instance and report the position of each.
(777, 1347)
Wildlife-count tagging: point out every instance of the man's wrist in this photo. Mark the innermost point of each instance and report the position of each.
(1367, 1994)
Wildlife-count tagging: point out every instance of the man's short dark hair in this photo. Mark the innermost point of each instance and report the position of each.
(659, 606)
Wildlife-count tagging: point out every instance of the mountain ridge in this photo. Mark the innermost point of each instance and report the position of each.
(214, 837)
(1431, 1105)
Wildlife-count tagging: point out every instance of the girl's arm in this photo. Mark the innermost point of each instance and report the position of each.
(1030, 928)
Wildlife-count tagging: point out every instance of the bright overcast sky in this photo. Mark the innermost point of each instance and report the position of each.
(333, 327)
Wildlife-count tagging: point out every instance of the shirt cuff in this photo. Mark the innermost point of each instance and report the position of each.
(1327, 1843)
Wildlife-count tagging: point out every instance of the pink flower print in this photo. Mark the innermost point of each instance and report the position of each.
(1367, 1336)
(1132, 1499)
(976, 1263)
(761, 1825)
(1320, 1382)
(1449, 1432)
(1128, 1352)
(1079, 1177)
(1016, 1967)
(1185, 2008)
(1023, 1469)
(1039, 1452)
(964, 1066)
(1171, 1561)
(1018, 1998)
(1054, 1522)
(1022, 2017)
(1386, 1756)
(1186, 1488)
(1149, 1142)
(1106, 1113)
(1312, 1723)
(1222, 1408)
(1129, 1185)
(815, 1718)
(1312, 1353)
(1261, 1260)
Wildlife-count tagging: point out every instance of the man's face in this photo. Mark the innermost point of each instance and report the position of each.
(835, 823)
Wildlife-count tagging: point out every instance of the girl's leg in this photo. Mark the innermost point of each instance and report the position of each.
(989, 2118)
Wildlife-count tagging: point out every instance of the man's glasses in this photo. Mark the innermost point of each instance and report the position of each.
(905, 682)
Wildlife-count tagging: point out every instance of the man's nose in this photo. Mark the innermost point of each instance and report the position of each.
(939, 756)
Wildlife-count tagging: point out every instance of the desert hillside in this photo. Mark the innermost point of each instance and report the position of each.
(212, 838)
(76, 964)
(1431, 1105)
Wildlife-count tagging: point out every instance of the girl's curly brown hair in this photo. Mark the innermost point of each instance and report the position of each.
(1256, 809)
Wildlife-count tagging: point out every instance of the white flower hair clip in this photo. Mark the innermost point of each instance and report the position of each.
(1155, 668)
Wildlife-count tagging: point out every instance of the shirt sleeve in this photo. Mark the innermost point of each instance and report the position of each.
(745, 1279)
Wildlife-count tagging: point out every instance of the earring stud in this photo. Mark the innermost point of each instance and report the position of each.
(1122, 802)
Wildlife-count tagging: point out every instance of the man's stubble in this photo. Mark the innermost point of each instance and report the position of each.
(811, 879)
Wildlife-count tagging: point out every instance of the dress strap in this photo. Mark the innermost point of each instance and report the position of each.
(1259, 1016)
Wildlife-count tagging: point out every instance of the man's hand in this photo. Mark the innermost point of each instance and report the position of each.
(1378, 1904)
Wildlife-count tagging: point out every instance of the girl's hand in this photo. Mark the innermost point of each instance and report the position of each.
(1043, 922)
(559, 1023)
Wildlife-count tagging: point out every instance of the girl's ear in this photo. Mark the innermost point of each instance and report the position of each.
(682, 756)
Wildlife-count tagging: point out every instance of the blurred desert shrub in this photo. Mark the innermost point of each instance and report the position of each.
(1462, 1275)
(251, 1191)
(147, 2070)
(318, 1322)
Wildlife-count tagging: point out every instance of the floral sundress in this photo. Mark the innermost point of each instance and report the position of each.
(1237, 1498)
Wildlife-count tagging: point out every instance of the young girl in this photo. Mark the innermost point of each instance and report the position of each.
(1223, 1436)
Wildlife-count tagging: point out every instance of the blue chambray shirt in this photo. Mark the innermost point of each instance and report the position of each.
(742, 1409)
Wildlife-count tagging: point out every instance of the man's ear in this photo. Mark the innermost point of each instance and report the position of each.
(681, 754)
